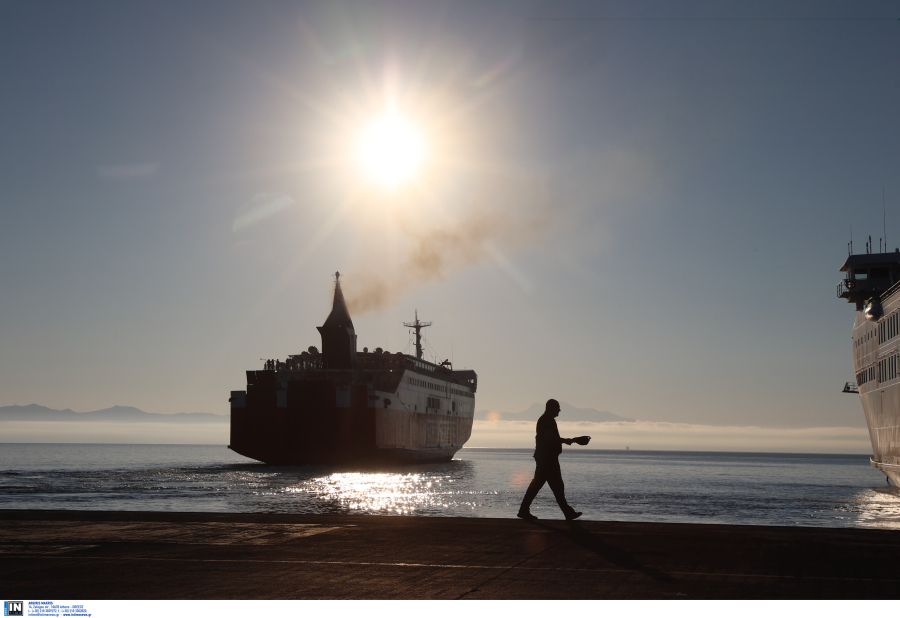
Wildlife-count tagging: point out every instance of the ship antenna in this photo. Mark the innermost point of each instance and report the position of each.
(884, 218)
(418, 326)
(851, 239)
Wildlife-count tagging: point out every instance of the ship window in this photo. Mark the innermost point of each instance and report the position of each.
(879, 273)
(860, 273)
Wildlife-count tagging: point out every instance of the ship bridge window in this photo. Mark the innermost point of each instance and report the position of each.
(860, 273)
(879, 273)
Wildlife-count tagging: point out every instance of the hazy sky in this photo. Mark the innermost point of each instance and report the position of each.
(644, 216)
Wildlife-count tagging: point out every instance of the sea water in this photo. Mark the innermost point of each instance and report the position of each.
(697, 487)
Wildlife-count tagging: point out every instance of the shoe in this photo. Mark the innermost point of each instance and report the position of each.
(526, 516)
(574, 515)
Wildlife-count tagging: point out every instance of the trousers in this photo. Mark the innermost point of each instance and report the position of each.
(547, 471)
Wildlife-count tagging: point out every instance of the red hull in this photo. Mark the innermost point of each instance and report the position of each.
(309, 428)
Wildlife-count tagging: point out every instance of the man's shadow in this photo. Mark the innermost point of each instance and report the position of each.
(610, 553)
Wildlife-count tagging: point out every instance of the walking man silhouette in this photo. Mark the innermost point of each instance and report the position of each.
(548, 446)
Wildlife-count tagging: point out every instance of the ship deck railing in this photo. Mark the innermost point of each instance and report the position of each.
(842, 288)
(374, 363)
(846, 287)
(891, 290)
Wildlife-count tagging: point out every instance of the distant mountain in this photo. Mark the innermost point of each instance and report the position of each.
(117, 414)
(567, 413)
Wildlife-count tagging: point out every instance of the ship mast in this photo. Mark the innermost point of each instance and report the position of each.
(418, 326)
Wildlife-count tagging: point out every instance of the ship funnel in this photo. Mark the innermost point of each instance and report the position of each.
(338, 335)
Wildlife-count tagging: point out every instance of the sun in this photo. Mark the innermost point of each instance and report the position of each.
(391, 151)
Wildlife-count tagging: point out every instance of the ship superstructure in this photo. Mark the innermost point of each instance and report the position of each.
(872, 283)
(342, 406)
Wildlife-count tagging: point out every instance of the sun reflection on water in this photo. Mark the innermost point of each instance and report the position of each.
(379, 492)
(879, 508)
(429, 490)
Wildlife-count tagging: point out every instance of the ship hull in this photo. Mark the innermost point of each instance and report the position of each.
(320, 422)
(876, 360)
(891, 471)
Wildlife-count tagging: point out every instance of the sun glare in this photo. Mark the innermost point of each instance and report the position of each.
(391, 151)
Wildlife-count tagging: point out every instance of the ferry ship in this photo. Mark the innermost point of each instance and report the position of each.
(343, 406)
(872, 283)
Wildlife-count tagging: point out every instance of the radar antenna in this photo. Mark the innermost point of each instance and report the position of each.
(418, 326)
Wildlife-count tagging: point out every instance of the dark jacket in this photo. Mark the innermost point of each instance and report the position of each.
(547, 443)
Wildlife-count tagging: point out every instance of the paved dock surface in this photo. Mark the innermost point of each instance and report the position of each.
(136, 555)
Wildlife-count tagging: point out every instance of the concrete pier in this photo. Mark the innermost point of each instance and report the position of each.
(138, 555)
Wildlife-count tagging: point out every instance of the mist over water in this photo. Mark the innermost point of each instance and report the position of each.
(697, 487)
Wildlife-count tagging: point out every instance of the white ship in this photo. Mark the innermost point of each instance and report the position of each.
(872, 283)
